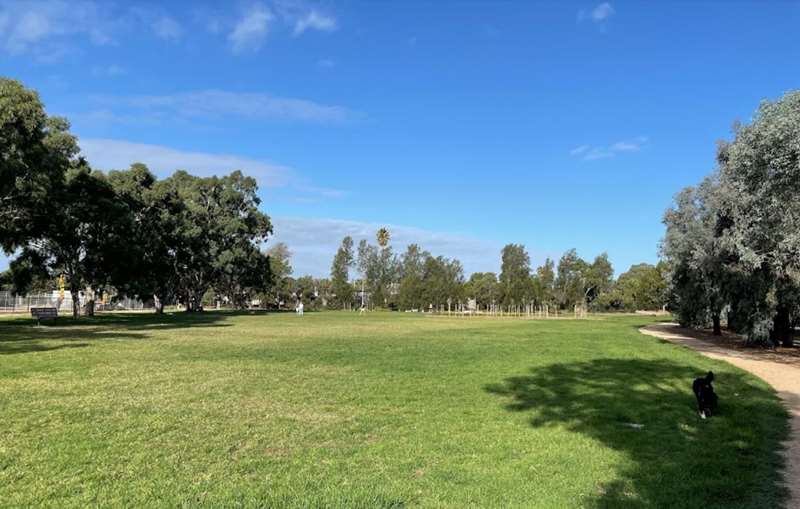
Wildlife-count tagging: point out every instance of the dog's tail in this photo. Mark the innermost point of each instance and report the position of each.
(710, 377)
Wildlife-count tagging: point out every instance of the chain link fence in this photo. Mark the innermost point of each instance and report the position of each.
(12, 303)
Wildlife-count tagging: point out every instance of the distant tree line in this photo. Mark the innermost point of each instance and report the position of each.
(732, 245)
(197, 241)
(373, 275)
(419, 280)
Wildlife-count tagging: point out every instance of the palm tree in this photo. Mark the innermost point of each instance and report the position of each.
(383, 237)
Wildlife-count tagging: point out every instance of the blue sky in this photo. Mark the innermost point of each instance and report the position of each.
(461, 125)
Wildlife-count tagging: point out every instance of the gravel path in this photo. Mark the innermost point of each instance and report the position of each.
(782, 373)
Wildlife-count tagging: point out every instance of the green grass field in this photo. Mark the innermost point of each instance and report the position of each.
(383, 410)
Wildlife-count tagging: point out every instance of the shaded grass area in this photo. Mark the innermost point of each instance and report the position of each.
(673, 459)
(382, 410)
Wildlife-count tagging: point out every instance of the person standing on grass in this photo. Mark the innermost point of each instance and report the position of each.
(299, 308)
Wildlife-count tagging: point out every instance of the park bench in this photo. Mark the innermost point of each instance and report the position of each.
(44, 314)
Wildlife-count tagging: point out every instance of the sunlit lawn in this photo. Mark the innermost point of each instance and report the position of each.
(381, 410)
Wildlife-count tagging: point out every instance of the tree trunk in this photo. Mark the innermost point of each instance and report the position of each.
(76, 303)
(158, 305)
(197, 305)
(733, 324)
(194, 300)
(90, 298)
(191, 301)
(782, 331)
(717, 327)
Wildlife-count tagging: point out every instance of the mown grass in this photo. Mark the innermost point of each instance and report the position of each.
(383, 410)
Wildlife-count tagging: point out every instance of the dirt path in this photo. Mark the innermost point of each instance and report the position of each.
(782, 374)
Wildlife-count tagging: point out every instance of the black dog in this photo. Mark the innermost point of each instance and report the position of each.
(706, 397)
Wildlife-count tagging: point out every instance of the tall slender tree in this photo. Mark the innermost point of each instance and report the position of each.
(412, 285)
(340, 274)
(598, 278)
(545, 282)
(280, 291)
(570, 279)
(515, 275)
(379, 268)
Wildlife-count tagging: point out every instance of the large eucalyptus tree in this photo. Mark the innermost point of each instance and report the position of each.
(734, 242)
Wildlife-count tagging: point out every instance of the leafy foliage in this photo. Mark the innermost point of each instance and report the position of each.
(281, 291)
(218, 231)
(732, 243)
(379, 268)
(340, 275)
(515, 274)
(35, 153)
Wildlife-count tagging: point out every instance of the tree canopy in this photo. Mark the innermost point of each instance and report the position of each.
(35, 153)
(732, 243)
(515, 274)
(340, 274)
(174, 238)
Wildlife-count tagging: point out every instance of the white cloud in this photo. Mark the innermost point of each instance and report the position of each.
(219, 103)
(592, 153)
(167, 28)
(314, 20)
(598, 153)
(103, 118)
(627, 146)
(32, 27)
(40, 27)
(579, 150)
(600, 14)
(251, 30)
(313, 242)
(325, 192)
(49, 29)
(106, 154)
(110, 71)
(326, 63)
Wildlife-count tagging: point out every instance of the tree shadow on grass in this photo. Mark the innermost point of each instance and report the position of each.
(152, 321)
(646, 409)
(23, 335)
(35, 346)
(27, 338)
